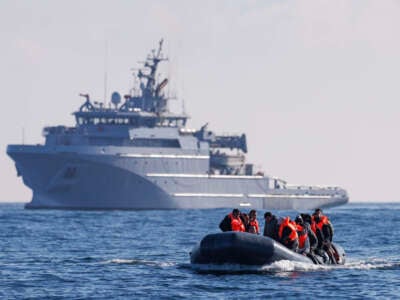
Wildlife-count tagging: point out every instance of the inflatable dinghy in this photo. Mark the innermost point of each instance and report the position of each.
(251, 249)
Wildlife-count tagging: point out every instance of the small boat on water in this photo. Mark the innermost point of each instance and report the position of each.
(251, 249)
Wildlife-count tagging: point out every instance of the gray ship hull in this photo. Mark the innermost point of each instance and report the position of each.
(65, 178)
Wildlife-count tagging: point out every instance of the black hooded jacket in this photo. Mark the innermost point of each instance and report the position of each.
(271, 228)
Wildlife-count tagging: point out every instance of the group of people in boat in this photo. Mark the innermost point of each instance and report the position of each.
(307, 234)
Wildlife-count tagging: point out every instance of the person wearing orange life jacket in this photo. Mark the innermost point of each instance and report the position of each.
(324, 232)
(302, 231)
(253, 223)
(322, 227)
(232, 222)
(236, 221)
(330, 230)
(287, 234)
(307, 221)
(245, 220)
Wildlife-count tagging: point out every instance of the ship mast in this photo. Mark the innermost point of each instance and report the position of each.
(152, 63)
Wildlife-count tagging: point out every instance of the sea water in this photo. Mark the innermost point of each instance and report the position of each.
(57, 254)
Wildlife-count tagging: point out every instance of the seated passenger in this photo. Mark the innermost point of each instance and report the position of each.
(307, 220)
(318, 213)
(288, 234)
(253, 223)
(302, 231)
(271, 226)
(232, 222)
(323, 229)
(245, 220)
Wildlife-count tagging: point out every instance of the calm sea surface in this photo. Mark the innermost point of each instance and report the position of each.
(145, 254)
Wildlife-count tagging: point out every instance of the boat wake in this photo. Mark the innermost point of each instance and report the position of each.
(276, 267)
(373, 263)
(141, 262)
(282, 266)
(285, 266)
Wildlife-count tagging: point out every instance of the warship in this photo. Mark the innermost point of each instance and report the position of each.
(136, 154)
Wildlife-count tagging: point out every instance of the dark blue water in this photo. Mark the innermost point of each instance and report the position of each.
(145, 254)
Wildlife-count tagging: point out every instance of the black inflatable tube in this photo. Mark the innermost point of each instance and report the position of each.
(242, 248)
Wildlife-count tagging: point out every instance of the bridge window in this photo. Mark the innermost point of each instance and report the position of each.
(165, 143)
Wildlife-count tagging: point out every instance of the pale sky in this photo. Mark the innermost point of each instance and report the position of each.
(313, 84)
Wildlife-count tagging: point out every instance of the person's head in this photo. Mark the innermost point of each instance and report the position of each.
(317, 214)
(268, 216)
(244, 217)
(299, 220)
(252, 214)
(236, 212)
(306, 218)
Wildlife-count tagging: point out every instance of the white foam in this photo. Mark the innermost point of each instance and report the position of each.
(276, 267)
(291, 266)
(285, 266)
(119, 261)
(372, 263)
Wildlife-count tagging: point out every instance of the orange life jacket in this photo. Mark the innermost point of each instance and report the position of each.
(313, 225)
(322, 221)
(286, 223)
(303, 235)
(236, 223)
(254, 224)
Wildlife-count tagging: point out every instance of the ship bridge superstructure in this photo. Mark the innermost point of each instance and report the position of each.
(145, 106)
(145, 109)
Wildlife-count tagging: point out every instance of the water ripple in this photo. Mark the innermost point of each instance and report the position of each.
(48, 254)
